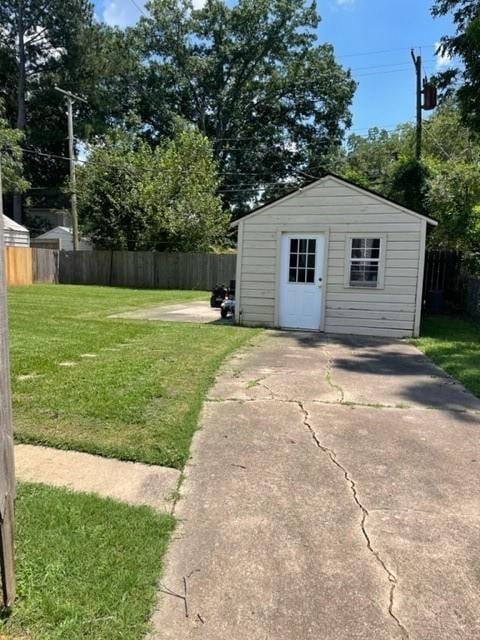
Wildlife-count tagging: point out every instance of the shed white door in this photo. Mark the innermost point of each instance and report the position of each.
(301, 281)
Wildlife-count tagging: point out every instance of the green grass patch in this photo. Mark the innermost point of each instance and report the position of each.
(138, 398)
(87, 567)
(453, 344)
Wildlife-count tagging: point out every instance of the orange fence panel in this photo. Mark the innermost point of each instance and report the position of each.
(19, 265)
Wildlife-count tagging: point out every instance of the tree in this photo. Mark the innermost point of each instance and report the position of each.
(253, 78)
(137, 198)
(44, 43)
(369, 160)
(454, 199)
(10, 157)
(445, 185)
(466, 45)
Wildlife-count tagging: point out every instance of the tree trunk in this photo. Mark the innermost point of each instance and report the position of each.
(17, 196)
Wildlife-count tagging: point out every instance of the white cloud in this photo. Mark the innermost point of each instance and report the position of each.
(121, 13)
(443, 59)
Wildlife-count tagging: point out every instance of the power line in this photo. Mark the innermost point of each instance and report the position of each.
(372, 53)
(139, 8)
(379, 66)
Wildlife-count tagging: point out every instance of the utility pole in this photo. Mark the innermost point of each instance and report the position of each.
(71, 97)
(417, 61)
(7, 468)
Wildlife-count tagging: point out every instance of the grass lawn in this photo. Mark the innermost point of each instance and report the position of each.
(136, 393)
(454, 344)
(87, 567)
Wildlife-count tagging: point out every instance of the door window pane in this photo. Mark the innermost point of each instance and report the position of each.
(302, 260)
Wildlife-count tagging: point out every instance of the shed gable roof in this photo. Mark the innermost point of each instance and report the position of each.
(345, 183)
(11, 225)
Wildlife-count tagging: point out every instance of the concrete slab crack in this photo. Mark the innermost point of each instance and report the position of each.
(329, 379)
(392, 578)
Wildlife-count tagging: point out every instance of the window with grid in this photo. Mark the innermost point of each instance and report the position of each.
(302, 261)
(365, 262)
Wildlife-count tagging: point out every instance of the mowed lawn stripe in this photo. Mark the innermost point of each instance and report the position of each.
(138, 399)
(87, 567)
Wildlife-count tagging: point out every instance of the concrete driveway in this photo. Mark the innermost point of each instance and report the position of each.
(333, 493)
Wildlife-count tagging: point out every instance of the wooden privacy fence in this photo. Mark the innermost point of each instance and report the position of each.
(25, 266)
(146, 269)
(473, 297)
(19, 265)
(444, 280)
(45, 265)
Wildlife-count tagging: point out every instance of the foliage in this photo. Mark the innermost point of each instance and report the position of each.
(138, 198)
(445, 185)
(253, 78)
(139, 398)
(409, 184)
(10, 156)
(370, 159)
(454, 197)
(64, 46)
(81, 574)
(465, 44)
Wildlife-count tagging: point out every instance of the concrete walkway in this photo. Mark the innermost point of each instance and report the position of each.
(130, 482)
(198, 311)
(333, 493)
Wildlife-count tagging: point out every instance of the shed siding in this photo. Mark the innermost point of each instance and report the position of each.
(343, 211)
(15, 238)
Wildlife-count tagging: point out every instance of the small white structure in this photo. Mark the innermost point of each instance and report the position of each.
(64, 236)
(332, 257)
(15, 235)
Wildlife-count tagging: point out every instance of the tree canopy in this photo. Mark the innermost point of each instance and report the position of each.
(253, 78)
(445, 185)
(10, 156)
(137, 198)
(465, 44)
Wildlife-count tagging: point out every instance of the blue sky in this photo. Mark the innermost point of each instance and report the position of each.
(372, 37)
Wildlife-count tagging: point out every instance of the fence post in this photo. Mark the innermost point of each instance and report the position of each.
(7, 470)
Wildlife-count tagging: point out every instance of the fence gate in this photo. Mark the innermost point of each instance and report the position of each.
(443, 282)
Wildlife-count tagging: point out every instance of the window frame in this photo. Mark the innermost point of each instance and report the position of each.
(380, 261)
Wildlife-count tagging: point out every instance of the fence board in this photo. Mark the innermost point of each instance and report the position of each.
(19, 265)
(146, 269)
(444, 275)
(45, 265)
(473, 297)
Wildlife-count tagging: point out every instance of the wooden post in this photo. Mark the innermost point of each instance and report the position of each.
(7, 469)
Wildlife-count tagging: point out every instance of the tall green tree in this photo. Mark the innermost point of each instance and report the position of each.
(10, 156)
(465, 44)
(254, 79)
(44, 43)
(137, 198)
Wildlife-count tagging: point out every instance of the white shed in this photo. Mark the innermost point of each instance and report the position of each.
(332, 257)
(15, 235)
(64, 236)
